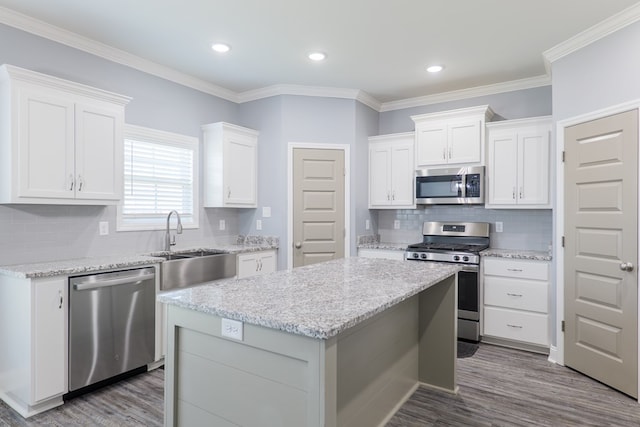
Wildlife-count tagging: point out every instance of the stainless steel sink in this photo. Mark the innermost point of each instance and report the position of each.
(192, 268)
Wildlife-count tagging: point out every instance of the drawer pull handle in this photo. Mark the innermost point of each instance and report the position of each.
(514, 295)
(514, 326)
(514, 269)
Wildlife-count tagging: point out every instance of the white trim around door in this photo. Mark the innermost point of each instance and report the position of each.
(557, 353)
(347, 192)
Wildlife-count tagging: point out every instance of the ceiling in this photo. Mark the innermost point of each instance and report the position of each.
(381, 47)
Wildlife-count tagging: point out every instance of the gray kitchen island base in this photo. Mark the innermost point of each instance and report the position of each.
(358, 377)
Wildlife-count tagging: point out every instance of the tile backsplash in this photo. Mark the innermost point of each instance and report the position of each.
(522, 229)
(41, 233)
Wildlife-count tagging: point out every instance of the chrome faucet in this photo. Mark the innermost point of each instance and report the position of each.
(168, 241)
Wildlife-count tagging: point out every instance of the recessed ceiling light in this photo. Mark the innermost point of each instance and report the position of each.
(221, 47)
(317, 56)
(435, 68)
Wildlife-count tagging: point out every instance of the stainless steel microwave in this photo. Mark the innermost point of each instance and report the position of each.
(450, 186)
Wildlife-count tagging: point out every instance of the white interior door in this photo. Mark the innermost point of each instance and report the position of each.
(601, 250)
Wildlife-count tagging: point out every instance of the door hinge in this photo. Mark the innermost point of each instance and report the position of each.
(563, 153)
(563, 241)
(562, 326)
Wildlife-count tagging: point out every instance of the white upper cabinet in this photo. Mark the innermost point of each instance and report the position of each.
(391, 173)
(453, 137)
(230, 166)
(62, 142)
(518, 163)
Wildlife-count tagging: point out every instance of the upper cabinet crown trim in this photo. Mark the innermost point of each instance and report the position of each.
(229, 126)
(461, 112)
(11, 72)
(530, 121)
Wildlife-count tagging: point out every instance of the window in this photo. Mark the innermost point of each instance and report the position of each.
(160, 175)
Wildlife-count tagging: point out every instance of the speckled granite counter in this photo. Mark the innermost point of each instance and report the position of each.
(318, 301)
(87, 265)
(516, 254)
(372, 241)
(75, 266)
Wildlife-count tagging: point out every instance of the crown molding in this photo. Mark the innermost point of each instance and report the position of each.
(60, 35)
(533, 82)
(34, 26)
(593, 34)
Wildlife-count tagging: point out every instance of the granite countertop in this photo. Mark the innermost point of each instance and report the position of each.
(516, 254)
(88, 265)
(384, 245)
(319, 300)
(75, 266)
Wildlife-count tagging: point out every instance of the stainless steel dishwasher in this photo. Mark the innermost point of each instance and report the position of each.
(111, 324)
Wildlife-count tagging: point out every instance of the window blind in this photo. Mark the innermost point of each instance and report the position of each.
(158, 178)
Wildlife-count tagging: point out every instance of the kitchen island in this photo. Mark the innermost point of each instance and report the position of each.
(339, 343)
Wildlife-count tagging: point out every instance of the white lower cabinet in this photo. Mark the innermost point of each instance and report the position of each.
(33, 333)
(381, 253)
(256, 263)
(516, 295)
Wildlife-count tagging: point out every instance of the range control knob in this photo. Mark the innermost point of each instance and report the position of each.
(415, 255)
(465, 258)
(456, 258)
(423, 256)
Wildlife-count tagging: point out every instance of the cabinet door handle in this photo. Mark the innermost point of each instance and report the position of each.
(388, 195)
(521, 193)
(80, 182)
(514, 295)
(71, 181)
(61, 300)
(393, 195)
(517, 270)
(514, 193)
(228, 192)
(514, 326)
(444, 154)
(449, 153)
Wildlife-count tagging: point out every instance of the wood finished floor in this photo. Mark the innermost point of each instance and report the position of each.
(498, 387)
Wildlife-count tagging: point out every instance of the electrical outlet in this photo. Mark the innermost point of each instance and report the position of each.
(266, 212)
(222, 224)
(498, 226)
(232, 329)
(396, 224)
(103, 228)
(258, 224)
(367, 224)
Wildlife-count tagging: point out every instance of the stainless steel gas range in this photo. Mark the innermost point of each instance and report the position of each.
(458, 243)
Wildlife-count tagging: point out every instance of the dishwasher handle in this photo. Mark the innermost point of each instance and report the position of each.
(132, 279)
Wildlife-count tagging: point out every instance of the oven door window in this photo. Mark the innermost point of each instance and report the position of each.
(468, 291)
(439, 186)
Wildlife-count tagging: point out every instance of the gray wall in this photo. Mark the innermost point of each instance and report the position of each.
(41, 233)
(300, 119)
(600, 75)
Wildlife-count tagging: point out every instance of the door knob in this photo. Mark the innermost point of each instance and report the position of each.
(298, 245)
(626, 266)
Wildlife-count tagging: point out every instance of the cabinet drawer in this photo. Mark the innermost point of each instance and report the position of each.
(535, 270)
(516, 325)
(516, 293)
